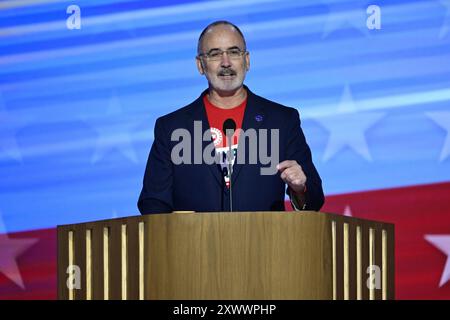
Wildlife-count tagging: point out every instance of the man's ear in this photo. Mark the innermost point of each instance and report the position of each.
(247, 60)
(199, 62)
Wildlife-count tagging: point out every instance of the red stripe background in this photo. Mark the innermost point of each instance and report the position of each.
(415, 211)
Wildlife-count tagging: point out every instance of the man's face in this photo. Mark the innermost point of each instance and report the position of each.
(226, 74)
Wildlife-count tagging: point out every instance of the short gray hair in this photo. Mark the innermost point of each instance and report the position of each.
(217, 23)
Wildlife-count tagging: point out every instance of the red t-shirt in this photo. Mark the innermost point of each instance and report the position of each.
(216, 117)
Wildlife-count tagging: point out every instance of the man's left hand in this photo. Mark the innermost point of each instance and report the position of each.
(293, 175)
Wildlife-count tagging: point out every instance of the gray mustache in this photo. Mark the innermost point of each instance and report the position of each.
(227, 72)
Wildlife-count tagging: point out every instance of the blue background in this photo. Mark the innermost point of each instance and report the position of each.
(77, 107)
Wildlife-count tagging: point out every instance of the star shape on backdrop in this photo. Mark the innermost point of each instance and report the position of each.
(110, 137)
(342, 15)
(348, 211)
(442, 242)
(9, 126)
(347, 127)
(10, 250)
(442, 119)
(445, 28)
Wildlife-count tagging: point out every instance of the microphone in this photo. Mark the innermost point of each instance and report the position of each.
(229, 126)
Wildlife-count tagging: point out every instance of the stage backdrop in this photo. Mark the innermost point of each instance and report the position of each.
(82, 82)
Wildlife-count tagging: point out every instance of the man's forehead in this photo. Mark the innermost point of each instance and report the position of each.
(221, 28)
(223, 34)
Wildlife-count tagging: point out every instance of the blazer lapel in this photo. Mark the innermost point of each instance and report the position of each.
(198, 113)
(253, 118)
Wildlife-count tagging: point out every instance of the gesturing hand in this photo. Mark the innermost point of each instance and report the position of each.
(292, 173)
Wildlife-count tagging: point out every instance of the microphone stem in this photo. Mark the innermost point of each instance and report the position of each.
(230, 168)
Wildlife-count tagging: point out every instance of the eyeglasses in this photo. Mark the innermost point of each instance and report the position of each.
(217, 54)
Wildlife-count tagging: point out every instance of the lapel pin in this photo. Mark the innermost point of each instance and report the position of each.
(259, 118)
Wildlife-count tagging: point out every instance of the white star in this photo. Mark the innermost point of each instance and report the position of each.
(446, 24)
(443, 120)
(347, 128)
(442, 242)
(10, 250)
(9, 126)
(110, 137)
(348, 211)
(340, 16)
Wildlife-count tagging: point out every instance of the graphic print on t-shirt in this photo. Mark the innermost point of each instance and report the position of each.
(216, 118)
(223, 151)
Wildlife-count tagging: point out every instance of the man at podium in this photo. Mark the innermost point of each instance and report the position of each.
(230, 149)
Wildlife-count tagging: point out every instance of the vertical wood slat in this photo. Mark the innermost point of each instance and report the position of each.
(346, 260)
(133, 260)
(339, 259)
(106, 262)
(371, 262)
(142, 249)
(97, 261)
(384, 263)
(71, 262)
(359, 264)
(80, 259)
(334, 263)
(352, 259)
(378, 261)
(88, 264)
(115, 261)
(147, 274)
(63, 263)
(124, 261)
(365, 260)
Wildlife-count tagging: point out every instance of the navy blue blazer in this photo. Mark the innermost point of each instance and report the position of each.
(200, 187)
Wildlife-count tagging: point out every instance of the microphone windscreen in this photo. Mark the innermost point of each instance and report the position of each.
(229, 126)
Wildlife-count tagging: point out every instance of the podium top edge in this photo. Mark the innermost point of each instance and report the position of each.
(337, 217)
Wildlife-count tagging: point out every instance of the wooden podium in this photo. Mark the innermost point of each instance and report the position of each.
(240, 255)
